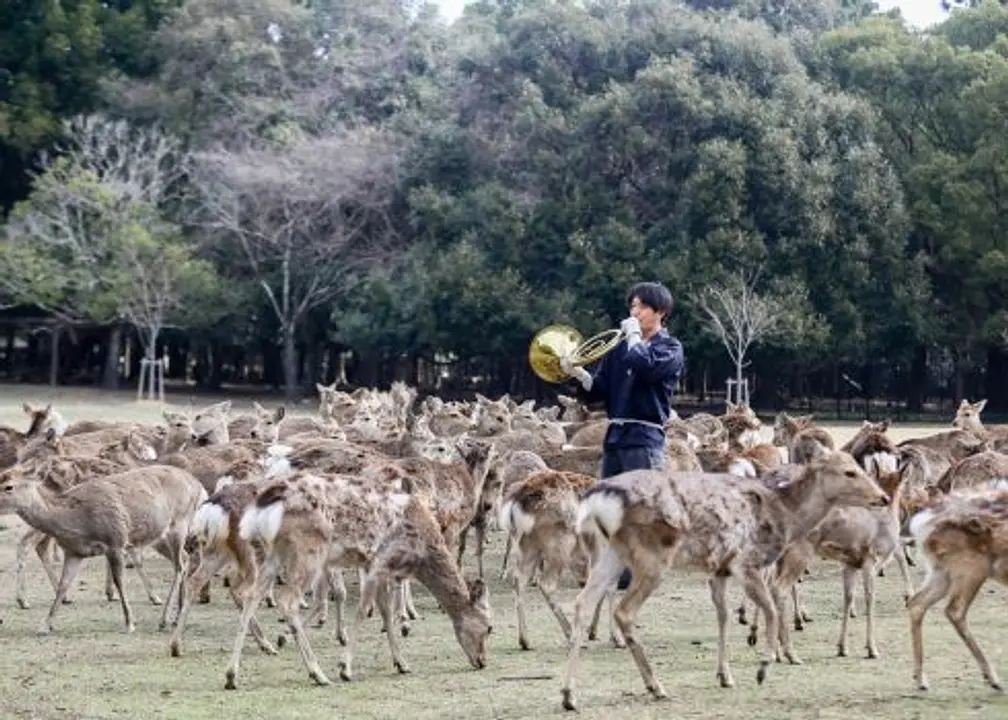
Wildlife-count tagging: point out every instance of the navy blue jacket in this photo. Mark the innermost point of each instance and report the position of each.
(637, 384)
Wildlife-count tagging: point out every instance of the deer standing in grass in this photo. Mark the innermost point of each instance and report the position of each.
(965, 540)
(718, 524)
(105, 516)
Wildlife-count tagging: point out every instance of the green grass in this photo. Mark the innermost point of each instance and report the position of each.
(90, 668)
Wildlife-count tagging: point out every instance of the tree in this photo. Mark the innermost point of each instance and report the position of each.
(81, 245)
(305, 217)
(740, 317)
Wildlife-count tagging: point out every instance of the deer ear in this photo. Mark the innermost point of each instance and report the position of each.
(279, 414)
(50, 435)
(27, 408)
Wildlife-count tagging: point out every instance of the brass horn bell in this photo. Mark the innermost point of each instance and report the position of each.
(556, 341)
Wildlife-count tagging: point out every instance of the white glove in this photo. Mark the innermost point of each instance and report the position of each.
(631, 328)
(578, 373)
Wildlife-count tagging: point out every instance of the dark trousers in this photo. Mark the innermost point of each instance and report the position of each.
(621, 460)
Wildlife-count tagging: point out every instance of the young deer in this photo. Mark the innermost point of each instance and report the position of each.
(860, 539)
(717, 524)
(965, 539)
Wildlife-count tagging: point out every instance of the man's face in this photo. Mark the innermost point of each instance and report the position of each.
(649, 319)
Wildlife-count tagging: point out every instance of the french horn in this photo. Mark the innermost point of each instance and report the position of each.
(556, 341)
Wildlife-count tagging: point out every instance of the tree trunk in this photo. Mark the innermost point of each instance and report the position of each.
(738, 382)
(110, 375)
(290, 367)
(996, 391)
(54, 355)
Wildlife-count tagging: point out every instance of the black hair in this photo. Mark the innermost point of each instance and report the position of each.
(655, 295)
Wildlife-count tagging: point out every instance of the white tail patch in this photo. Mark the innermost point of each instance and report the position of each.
(920, 526)
(210, 524)
(742, 468)
(515, 521)
(277, 465)
(56, 423)
(604, 510)
(147, 453)
(886, 461)
(262, 523)
(998, 483)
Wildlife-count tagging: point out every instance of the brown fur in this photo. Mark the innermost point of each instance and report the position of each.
(714, 523)
(541, 512)
(966, 542)
(135, 508)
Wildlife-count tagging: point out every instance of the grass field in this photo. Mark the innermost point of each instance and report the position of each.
(90, 668)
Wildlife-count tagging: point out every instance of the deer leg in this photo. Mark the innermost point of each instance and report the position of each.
(171, 548)
(741, 612)
(250, 602)
(368, 591)
(646, 579)
(783, 631)
(523, 571)
(338, 586)
(40, 541)
(756, 589)
(904, 568)
(386, 592)
(115, 566)
(719, 588)
(604, 575)
(71, 565)
(462, 544)
(548, 580)
(507, 554)
(933, 590)
(848, 602)
(963, 593)
(480, 530)
(110, 591)
(411, 611)
(211, 563)
(244, 577)
(135, 558)
(301, 576)
(868, 579)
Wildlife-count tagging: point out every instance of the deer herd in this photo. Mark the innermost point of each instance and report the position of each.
(390, 486)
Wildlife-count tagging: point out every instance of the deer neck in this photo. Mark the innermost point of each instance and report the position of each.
(440, 575)
(44, 512)
(805, 507)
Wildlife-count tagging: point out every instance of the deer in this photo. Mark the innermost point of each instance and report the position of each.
(965, 540)
(715, 523)
(860, 539)
(540, 514)
(142, 507)
(306, 522)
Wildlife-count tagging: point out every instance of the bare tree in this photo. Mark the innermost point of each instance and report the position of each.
(305, 218)
(737, 315)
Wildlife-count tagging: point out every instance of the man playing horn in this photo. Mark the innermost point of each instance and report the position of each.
(636, 381)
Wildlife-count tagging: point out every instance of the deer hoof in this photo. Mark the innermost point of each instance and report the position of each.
(568, 701)
(229, 680)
